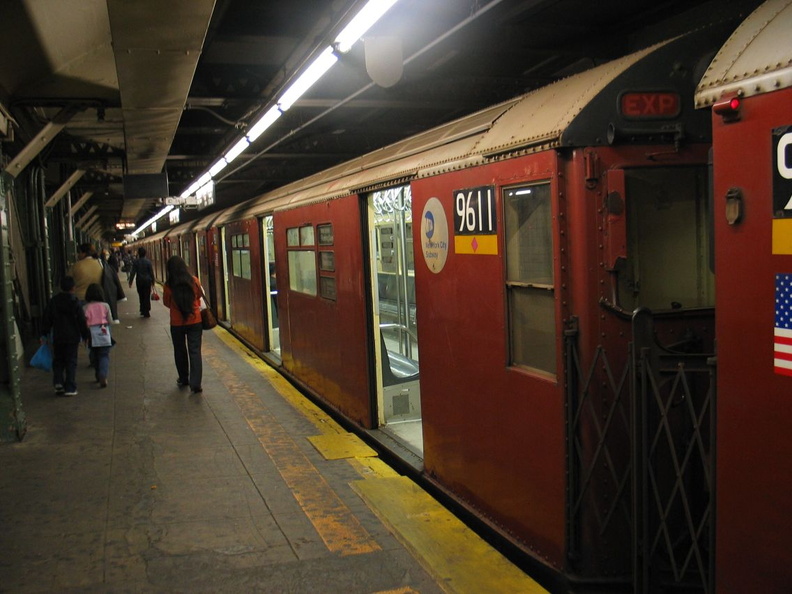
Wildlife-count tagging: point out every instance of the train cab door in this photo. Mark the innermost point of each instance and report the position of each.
(270, 285)
(394, 310)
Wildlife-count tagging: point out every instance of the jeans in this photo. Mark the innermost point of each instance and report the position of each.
(64, 365)
(100, 359)
(187, 353)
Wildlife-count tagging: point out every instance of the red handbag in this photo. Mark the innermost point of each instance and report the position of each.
(154, 295)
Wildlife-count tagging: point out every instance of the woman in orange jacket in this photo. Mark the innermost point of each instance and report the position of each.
(182, 295)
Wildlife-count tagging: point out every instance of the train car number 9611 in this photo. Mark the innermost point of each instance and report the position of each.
(475, 211)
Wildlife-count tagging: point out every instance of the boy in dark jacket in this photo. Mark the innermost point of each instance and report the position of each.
(64, 316)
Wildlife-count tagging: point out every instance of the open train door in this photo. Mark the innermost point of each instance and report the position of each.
(394, 310)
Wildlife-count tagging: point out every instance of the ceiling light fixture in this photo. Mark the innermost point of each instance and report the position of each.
(315, 71)
(363, 21)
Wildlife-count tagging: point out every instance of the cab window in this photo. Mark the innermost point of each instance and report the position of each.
(668, 240)
(530, 278)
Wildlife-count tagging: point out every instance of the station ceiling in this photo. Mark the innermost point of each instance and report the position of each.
(152, 86)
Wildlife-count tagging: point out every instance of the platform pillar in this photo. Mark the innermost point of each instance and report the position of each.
(13, 424)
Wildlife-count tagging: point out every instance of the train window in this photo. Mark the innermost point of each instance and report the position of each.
(325, 234)
(307, 235)
(327, 287)
(327, 261)
(293, 237)
(667, 264)
(240, 255)
(302, 271)
(530, 277)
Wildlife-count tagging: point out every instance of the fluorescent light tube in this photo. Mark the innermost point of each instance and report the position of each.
(265, 122)
(218, 167)
(236, 150)
(307, 79)
(154, 219)
(363, 21)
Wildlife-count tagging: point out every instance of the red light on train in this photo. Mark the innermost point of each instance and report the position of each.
(728, 108)
(649, 105)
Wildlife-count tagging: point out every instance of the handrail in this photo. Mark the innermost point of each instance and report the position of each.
(400, 328)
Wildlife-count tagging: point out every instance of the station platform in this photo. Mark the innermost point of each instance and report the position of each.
(246, 487)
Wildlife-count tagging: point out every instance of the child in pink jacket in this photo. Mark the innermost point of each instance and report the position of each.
(98, 317)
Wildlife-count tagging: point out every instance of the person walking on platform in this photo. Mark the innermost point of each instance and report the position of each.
(85, 271)
(182, 295)
(143, 275)
(98, 316)
(65, 318)
(112, 288)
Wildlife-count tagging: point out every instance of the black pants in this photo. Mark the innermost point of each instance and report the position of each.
(144, 292)
(187, 353)
(64, 365)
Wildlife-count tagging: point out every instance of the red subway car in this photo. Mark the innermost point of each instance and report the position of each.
(749, 90)
(521, 305)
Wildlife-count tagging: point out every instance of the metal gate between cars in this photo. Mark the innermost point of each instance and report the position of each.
(641, 466)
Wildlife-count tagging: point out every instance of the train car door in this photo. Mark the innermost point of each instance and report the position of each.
(224, 260)
(394, 309)
(270, 284)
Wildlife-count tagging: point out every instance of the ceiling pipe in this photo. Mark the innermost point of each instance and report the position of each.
(67, 185)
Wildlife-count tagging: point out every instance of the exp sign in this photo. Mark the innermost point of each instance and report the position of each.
(649, 105)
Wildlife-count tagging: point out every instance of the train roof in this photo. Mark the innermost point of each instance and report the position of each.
(505, 129)
(756, 59)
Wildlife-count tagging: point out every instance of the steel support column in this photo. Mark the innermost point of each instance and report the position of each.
(13, 424)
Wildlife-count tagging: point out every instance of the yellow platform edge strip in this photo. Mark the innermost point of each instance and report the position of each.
(315, 415)
(341, 446)
(461, 561)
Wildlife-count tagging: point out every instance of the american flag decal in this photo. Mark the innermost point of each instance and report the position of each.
(782, 358)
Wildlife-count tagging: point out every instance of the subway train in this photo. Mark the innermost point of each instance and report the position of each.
(558, 311)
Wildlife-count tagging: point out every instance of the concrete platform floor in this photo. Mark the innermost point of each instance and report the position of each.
(247, 487)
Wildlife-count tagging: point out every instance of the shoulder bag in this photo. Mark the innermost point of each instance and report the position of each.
(100, 335)
(208, 319)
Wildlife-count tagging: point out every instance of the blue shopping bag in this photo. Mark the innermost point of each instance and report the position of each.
(43, 358)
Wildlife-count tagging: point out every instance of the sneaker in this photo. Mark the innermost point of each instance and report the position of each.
(196, 389)
(59, 389)
(72, 393)
(182, 383)
(116, 321)
(102, 383)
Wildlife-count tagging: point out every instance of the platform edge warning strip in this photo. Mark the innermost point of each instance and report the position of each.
(335, 524)
(461, 561)
(315, 415)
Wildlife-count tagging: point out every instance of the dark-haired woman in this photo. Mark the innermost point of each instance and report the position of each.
(182, 295)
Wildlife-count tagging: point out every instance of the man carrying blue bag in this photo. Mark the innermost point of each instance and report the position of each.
(65, 318)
